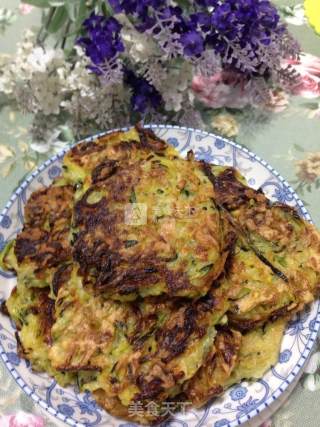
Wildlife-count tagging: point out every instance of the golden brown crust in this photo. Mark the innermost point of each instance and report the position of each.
(211, 378)
(44, 240)
(158, 253)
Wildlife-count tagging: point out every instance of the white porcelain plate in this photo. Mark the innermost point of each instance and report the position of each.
(237, 405)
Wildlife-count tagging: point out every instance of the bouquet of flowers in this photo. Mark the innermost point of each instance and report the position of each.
(97, 64)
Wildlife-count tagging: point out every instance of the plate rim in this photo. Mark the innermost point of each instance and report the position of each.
(309, 344)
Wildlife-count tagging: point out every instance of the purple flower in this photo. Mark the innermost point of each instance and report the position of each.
(200, 20)
(102, 43)
(237, 36)
(207, 3)
(247, 35)
(144, 95)
(139, 8)
(192, 43)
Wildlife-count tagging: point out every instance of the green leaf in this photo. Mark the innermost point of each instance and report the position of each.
(59, 18)
(73, 8)
(81, 15)
(106, 9)
(38, 3)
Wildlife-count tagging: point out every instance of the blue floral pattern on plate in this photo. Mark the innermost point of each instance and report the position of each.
(237, 405)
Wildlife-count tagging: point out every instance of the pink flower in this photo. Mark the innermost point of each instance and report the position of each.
(223, 89)
(25, 9)
(21, 419)
(308, 67)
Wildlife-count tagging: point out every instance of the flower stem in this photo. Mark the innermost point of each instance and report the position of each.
(65, 36)
(45, 27)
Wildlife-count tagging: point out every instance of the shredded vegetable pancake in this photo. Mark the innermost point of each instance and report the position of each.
(149, 279)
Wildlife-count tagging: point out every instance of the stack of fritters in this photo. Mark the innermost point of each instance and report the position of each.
(147, 278)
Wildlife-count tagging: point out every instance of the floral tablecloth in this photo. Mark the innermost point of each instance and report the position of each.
(287, 135)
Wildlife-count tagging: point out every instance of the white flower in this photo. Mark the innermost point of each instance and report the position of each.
(77, 78)
(47, 92)
(26, 45)
(295, 15)
(140, 47)
(174, 89)
(312, 382)
(173, 101)
(40, 59)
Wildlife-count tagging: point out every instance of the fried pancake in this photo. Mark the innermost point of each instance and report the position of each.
(143, 414)
(140, 352)
(290, 244)
(80, 162)
(44, 243)
(282, 240)
(176, 246)
(173, 353)
(91, 162)
(32, 311)
(235, 357)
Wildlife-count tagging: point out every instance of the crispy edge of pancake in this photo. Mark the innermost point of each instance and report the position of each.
(87, 161)
(44, 242)
(31, 310)
(183, 343)
(255, 293)
(248, 357)
(209, 381)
